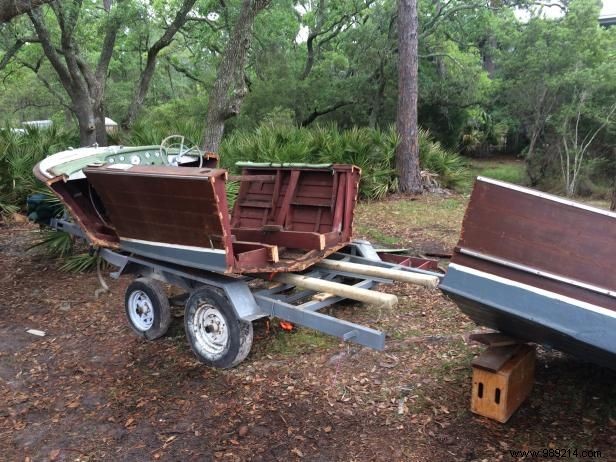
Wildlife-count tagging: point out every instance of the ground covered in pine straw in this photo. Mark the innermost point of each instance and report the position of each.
(91, 390)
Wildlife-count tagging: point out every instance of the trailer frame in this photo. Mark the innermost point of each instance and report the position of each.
(283, 301)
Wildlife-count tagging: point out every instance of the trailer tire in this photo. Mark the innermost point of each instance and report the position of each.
(216, 335)
(147, 308)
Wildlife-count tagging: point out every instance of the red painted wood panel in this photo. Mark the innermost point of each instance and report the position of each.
(175, 206)
(539, 232)
(318, 198)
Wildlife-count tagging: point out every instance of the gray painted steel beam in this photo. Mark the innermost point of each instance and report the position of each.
(340, 328)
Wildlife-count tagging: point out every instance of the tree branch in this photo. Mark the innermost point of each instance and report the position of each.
(316, 113)
(11, 8)
(10, 53)
(111, 32)
(49, 49)
(184, 71)
(148, 72)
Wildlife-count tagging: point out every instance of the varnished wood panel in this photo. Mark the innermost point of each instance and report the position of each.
(544, 234)
(162, 204)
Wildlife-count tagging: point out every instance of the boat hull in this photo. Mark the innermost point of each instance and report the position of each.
(538, 267)
(171, 204)
(535, 315)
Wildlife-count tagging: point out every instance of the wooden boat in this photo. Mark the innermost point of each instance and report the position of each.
(538, 267)
(172, 206)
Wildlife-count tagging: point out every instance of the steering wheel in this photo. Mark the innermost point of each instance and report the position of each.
(183, 149)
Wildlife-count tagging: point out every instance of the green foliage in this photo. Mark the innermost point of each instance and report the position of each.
(372, 150)
(19, 152)
(7, 210)
(232, 189)
(483, 133)
(57, 244)
(452, 169)
(153, 132)
(559, 85)
(488, 83)
(80, 263)
(61, 245)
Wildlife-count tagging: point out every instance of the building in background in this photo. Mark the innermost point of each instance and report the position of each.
(40, 124)
(111, 127)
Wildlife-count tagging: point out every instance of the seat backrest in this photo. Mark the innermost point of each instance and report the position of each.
(317, 199)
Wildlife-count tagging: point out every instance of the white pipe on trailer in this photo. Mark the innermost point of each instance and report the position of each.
(377, 271)
(342, 290)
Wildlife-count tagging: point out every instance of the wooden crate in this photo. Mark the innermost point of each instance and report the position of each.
(497, 394)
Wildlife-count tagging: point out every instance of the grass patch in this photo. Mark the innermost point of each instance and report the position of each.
(376, 236)
(299, 341)
(509, 170)
(405, 223)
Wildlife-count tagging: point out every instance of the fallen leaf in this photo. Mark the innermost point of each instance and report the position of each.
(54, 454)
(327, 429)
(170, 439)
(297, 452)
(73, 404)
(129, 422)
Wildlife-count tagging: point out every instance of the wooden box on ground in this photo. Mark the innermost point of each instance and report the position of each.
(499, 391)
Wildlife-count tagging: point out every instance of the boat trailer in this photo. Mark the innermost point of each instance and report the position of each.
(220, 308)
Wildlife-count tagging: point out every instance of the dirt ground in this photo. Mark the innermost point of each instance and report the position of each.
(91, 390)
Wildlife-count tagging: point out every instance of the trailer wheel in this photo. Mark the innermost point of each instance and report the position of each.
(215, 333)
(147, 308)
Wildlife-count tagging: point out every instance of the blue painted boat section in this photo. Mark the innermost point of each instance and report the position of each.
(207, 259)
(534, 314)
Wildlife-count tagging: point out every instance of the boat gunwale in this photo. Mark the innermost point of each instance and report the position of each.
(547, 196)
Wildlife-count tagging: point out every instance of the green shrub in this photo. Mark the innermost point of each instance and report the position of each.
(372, 150)
(452, 169)
(57, 244)
(19, 152)
(145, 133)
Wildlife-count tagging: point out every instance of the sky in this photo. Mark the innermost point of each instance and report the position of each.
(609, 9)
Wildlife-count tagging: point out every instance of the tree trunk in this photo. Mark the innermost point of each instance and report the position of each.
(407, 153)
(100, 128)
(140, 93)
(84, 86)
(86, 120)
(229, 88)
